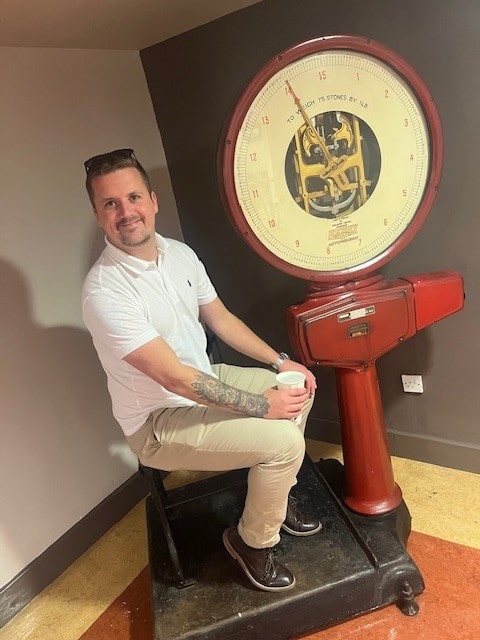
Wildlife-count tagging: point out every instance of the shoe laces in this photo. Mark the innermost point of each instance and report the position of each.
(270, 565)
(292, 508)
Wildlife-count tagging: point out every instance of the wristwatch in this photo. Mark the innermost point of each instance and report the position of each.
(280, 360)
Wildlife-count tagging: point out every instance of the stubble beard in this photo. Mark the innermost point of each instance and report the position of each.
(130, 242)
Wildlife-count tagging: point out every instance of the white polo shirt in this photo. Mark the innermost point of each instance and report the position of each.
(127, 302)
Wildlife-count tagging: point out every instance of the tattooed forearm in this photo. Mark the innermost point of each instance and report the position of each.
(222, 395)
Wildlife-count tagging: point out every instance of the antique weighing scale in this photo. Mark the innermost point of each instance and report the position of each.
(330, 163)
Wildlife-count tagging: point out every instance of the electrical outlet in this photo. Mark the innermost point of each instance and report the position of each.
(412, 384)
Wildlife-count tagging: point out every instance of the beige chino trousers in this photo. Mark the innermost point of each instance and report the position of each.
(199, 438)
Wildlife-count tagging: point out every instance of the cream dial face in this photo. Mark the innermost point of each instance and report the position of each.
(332, 160)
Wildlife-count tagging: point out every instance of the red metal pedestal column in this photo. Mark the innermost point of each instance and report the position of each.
(369, 484)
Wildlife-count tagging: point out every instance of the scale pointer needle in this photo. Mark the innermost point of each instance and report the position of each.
(309, 124)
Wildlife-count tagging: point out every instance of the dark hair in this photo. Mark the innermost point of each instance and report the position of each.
(109, 162)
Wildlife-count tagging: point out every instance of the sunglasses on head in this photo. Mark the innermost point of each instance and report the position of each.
(118, 153)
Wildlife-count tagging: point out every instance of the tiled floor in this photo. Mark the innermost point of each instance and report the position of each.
(101, 598)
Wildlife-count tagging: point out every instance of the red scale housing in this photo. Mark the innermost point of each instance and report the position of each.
(349, 331)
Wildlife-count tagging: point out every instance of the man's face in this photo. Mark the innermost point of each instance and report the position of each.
(125, 210)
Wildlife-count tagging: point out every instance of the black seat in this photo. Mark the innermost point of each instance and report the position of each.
(154, 479)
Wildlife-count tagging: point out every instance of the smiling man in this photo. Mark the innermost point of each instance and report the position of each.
(144, 302)
(125, 206)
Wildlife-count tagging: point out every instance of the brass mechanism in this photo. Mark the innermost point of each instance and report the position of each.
(331, 170)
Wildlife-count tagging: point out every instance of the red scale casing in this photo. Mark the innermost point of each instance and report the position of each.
(349, 331)
(353, 329)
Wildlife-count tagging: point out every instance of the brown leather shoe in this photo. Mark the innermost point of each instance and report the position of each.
(298, 524)
(259, 565)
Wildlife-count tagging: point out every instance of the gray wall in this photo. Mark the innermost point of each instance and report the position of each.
(195, 79)
(61, 450)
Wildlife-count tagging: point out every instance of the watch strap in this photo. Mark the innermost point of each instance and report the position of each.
(280, 360)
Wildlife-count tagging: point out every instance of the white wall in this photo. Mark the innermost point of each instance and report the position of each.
(61, 451)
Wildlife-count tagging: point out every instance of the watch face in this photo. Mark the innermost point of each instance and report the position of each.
(332, 158)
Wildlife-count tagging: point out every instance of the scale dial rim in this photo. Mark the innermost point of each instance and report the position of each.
(401, 68)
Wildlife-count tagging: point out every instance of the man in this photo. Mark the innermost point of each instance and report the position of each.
(144, 302)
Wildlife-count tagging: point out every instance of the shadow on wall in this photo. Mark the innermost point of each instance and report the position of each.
(97, 245)
(57, 426)
(167, 222)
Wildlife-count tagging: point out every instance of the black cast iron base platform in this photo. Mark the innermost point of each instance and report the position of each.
(354, 565)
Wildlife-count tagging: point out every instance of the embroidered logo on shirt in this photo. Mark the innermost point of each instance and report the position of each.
(189, 283)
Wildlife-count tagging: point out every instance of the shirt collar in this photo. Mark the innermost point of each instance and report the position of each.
(136, 266)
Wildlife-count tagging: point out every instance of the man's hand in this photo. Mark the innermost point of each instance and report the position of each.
(285, 403)
(238, 336)
(291, 365)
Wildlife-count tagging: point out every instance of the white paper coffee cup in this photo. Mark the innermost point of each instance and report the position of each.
(291, 380)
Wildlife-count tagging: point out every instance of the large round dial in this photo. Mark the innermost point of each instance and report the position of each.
(332, 158)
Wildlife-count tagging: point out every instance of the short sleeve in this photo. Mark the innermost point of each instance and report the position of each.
(116, 322)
